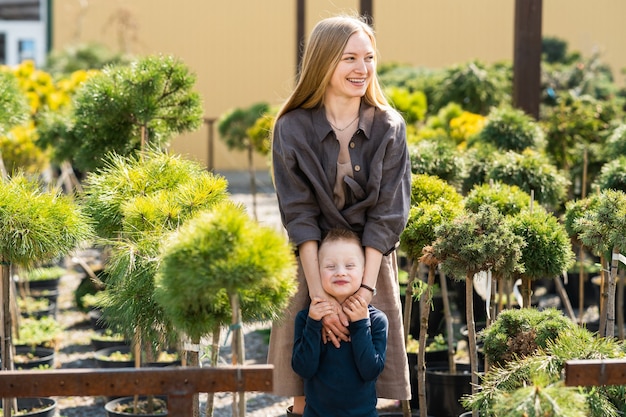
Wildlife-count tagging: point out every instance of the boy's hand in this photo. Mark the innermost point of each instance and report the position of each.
(355, 308)
(320, 308)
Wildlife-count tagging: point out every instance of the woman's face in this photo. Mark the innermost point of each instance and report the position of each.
(355, 69)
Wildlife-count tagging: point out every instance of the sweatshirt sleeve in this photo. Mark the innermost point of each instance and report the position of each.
(369, 344)
(307, 345)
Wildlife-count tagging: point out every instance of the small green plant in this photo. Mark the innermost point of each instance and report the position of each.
(44, 274)
(44, 331)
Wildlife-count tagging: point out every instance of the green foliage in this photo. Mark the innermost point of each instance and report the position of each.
(475, 86)
(233, 127)
(548, 250)
(112, 108)
(12, 102)
(45, 273)
(615, 145)
(413, 79)
(532, 172)
(136, 201)
(260, 134)
(576, 209)
(510, 129)
(504, 339)
(475, 242)
(149, 191)
(612, 175)
(604, 227)
(82, 57)
(554, 49)
(219, 253)
(37, 226)
(508, 199)
(433, 202)
(38, 332)
(437, 157)
(412, 105)
(431, 189)
(514, 385)
(576, 125)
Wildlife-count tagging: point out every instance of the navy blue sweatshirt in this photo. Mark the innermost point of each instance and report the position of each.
(340, 382)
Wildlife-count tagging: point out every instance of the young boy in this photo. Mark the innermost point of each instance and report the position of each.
(340, 382)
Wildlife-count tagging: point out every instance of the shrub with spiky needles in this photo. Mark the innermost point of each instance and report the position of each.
(37, 226)
(218, 253)
(136, 201)
(150, 100)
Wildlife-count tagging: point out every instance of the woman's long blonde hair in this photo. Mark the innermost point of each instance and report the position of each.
(321, 56)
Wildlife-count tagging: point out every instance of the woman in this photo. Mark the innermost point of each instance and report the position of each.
(340, 160)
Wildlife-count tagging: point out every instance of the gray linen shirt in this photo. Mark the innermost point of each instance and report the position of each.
(304, 158)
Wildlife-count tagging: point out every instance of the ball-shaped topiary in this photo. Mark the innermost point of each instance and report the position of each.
(508, 199)
(219, 253)
(511, 129)
(520, 332)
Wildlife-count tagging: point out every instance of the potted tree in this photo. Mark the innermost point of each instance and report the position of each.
(471, 243)
(530, 348)
(222, 269)
(35, 226)
(433, 202)
(135, 202)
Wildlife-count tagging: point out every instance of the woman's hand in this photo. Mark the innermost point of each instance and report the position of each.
(335, 326)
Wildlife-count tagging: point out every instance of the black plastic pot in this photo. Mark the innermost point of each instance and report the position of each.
(41, 357)
(112, 407)
(46, 407)
(444, 390)
(101, 361)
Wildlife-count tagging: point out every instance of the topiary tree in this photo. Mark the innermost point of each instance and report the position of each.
(603, 228)
(612, 175)
(135, 202)
(508, 200)
(532, 172)
(35, 227)
(433, 202)
(510, 129)
(475, 86)
(123, 108)
(471, 243)
(221, 268)
(531, 383)
(547, 253)
(235, 128)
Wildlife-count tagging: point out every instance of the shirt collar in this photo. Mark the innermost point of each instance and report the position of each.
(323, 128)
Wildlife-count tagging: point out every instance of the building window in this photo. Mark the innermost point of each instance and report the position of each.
(3, 48)
(29, 10)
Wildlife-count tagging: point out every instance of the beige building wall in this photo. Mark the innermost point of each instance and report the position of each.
(243, 51)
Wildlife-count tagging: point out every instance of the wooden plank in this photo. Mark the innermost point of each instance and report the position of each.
(177, 381)
(595, 372)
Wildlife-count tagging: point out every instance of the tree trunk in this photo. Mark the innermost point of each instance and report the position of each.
(252, 180)
(526, 291)
(471, 332)
(620, 304)
(610, 302)
(7, 346)
(603, 297)
(238, 358)
(560, 289)
(447, 314)
(425, 303)
(215, 353)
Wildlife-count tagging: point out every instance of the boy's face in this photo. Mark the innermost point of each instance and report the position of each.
(341, 268)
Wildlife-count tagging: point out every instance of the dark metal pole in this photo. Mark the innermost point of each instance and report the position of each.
(210, 154)
(300, 32)
(527, 56)
(367, 10)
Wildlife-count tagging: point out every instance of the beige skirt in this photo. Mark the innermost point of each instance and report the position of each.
(394, 381)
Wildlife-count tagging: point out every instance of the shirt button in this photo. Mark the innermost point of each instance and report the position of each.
(357, 168)
(352, 145)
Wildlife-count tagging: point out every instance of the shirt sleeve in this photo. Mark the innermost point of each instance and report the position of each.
(298, 206)
(307, 345)
(387, 218)
(369, 344)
